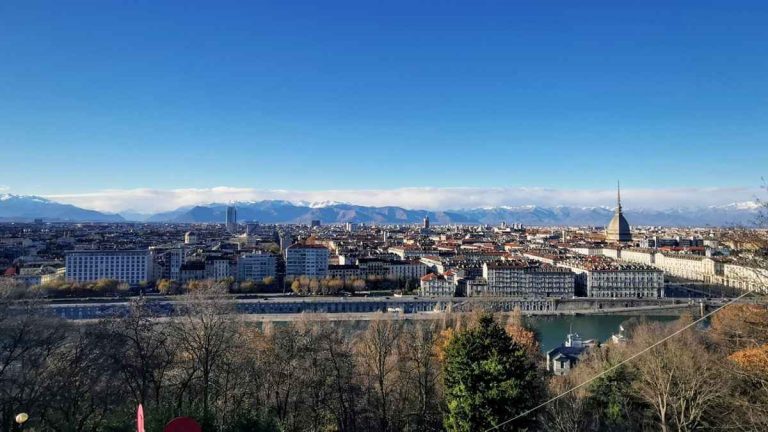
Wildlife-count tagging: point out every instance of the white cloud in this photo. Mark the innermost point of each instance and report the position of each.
(433, 198)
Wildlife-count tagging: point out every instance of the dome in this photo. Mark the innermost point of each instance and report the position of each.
(618, 228)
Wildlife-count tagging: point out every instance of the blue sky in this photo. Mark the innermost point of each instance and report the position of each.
(115, 95)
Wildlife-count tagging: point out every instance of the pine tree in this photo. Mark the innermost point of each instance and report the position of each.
(489, 378)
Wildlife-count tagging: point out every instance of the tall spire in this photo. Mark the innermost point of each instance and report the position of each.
(618, 194)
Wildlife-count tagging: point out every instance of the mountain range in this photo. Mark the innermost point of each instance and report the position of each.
(22, 208)
(26, 208)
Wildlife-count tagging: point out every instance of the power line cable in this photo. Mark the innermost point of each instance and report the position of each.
(628, 359)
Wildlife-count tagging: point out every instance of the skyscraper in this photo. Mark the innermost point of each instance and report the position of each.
(618, 229)
(231, 218)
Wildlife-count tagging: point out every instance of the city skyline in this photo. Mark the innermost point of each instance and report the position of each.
(111, 96)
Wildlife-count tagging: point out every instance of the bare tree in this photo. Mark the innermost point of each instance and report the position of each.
(79, 390)
(28, 339)
(205, 329)
(377, 351)
(680, 379)
(140, 348)
(420, 377)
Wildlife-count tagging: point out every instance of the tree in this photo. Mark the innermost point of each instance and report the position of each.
(79, 387)
(28, 340)
(740, 326)
(167, 286)
(205, 331)
(748, 369)
(296, 287)
(248, 286)
(420, 378)
(523, 335)
(141, 349)
(358, 284)
(489, 379)
(378, 352)
(680, 379)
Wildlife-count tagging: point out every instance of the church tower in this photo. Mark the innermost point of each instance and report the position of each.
(618, 229)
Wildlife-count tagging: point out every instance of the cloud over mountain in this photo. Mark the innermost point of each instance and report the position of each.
(27, 208)
(429, 198)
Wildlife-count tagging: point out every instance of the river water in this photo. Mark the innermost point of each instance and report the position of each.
(552, 330)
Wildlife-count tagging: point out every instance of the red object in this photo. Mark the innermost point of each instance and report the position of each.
(182, 424)
(140, 419)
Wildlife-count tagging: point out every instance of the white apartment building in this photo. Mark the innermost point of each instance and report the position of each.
(640, 256)
(217, 268)
(129, 266)
(606, 278)
(190, 238)
(434, 263)
(306, 260)
(174, 260)
(437, 285)
(406, 270)
(693, 267)
(256, 266)
(743, 277)
(408, 252)
(697, 268)
(523, 278)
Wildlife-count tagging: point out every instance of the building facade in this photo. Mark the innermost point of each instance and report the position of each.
(256, 266)
(437, 285)
(306, 260)
(523, 278)
(606, 278)
(231, 220)
(129, 266)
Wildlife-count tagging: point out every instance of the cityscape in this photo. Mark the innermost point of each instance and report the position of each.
(506, 260)
(383, 216)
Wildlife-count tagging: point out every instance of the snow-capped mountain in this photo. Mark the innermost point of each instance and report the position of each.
(28, 208)
(330, 212)
(24, 208)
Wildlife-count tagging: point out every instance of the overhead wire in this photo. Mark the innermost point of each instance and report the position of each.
(608, 370)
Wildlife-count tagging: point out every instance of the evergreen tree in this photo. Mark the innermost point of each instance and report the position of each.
(489, 379)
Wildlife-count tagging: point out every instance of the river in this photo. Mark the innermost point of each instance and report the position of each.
(552, 330)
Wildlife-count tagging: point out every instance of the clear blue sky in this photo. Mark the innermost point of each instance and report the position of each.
(170, 94)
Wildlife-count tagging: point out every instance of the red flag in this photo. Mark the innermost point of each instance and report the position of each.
(140, 419)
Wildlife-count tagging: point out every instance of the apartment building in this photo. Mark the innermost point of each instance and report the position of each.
(306, 260)
(526, 278)
(129, 266)
(256, 266)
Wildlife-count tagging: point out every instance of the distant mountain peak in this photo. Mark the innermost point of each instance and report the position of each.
(8, 196)
(27, 208)
(323, 204)
(745, 205)
(30, 207)
(331, 212)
